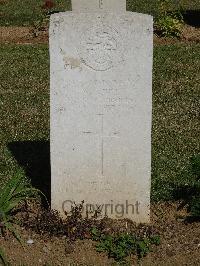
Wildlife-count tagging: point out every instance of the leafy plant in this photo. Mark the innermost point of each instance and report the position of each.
(74, 226)
(48, 222)
(12, 194)
(168, 26)
(121, 246)
(169, 22)
(155, 240)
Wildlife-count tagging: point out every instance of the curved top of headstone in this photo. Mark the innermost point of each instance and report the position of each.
(99, 5)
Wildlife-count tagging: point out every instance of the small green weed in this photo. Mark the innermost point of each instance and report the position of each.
(12, 194)
(3, 258)
(169, 23)
(168, 26)
(123, 245)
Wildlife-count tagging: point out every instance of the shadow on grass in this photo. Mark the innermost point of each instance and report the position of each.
(34, 158)
(187, 194)
(192, 17)
(184, 193)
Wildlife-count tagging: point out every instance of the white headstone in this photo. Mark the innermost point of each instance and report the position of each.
(101, 108)
(99, 5)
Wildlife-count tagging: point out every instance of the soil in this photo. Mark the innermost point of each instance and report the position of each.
(32, 35)
(180, 244)
(23, 35)
(189, 35)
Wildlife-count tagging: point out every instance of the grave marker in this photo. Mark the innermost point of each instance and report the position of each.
(101, 106)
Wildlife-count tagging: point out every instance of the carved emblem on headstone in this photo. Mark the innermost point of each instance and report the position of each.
(100, 48)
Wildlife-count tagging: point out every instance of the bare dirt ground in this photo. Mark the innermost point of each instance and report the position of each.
(180, 244)
(189, 34)
(23, 35)
(31, 35)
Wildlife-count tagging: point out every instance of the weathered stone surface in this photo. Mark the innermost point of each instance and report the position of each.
(99, 5)
(101, 105)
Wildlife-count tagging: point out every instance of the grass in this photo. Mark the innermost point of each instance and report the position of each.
(24, 109)
(27, 12)
(151, 7)
(175, 116)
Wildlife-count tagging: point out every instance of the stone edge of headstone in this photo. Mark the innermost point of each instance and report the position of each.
(139, 15)
(92, 5)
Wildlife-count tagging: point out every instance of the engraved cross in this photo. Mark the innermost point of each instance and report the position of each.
(101, 4)
(102, 136)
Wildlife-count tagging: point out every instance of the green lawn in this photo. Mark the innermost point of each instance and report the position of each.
(24, 109)
(27, 12)
(176, 124)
